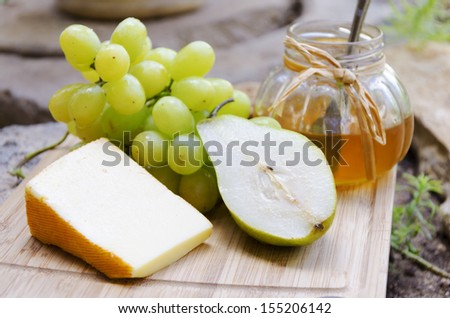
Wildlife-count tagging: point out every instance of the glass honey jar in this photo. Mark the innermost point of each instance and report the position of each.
(343, 96)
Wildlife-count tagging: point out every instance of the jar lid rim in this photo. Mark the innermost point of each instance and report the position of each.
(369, 33)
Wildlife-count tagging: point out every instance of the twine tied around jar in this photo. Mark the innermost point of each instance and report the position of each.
(325, 65)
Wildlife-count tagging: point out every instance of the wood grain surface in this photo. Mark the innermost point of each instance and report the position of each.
(351, 260)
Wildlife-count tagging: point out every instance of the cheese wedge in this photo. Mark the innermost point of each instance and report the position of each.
(98, 204)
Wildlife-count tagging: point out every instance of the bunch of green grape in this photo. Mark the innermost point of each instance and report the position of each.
(148, 101)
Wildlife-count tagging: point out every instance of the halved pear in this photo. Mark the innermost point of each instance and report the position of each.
(276, 183)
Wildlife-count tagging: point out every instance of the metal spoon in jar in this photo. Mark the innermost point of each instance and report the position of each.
(358, 21)
(331, 121)
(366, 139)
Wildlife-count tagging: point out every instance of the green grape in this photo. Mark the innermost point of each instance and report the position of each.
(195, 92)
(172, 117)
(149, 148)
(266, 122)
(149, 123)
(58, 104)
(122, 128)
(185, 155)
(163, 56)
(241, 106)
(206, 159)
(200, 189)
(72, 127)
(91, 75)
(112, 62)
(166, 176)
(131, 34)
(87, 104)
(152, 75)
(200, 115)
(223, 90)
(144, 51)
(91, 132)
(195, 59)
(80, 45)
(126, 96)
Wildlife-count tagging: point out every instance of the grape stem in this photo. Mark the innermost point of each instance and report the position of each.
(152, 101)
(219, 107)
(17, 170)
(100, 82)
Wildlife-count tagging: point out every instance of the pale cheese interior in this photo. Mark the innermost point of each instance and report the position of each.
(120, 208)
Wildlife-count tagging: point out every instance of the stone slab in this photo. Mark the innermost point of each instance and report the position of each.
(425, 71)
(35, 79)
(248, 41)
(343, 10)
(32, 27)
(15, 142)
(20, 111)
(29, 29)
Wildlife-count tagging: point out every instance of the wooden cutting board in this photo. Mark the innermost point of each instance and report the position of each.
(351, 260)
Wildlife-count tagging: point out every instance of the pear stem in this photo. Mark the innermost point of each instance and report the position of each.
(219, 107)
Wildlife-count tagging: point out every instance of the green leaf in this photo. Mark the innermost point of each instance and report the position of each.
(415, 216)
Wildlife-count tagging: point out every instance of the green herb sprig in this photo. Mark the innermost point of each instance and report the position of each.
(421, 20)
(414, 218)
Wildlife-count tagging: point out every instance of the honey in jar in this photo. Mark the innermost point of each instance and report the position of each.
(322, 110)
